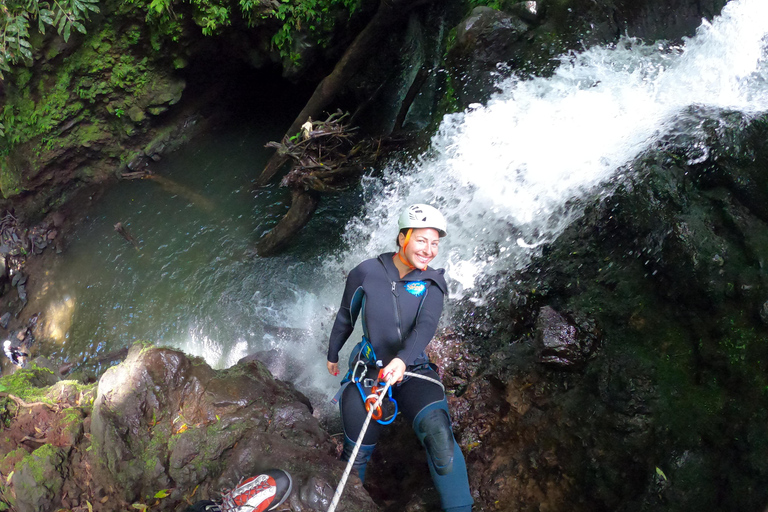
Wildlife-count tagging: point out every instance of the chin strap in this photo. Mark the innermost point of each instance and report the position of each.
(401, 252)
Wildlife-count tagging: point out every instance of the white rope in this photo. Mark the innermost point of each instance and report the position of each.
(343, 481)
(424, 377)
(380, 397)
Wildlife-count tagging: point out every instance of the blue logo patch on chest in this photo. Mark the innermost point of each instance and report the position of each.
(416, 288)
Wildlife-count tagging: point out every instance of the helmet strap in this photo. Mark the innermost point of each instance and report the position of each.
(401, 252)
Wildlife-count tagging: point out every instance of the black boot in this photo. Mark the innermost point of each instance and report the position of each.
(363, 456)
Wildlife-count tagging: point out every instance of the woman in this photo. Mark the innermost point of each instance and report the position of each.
(401, 299)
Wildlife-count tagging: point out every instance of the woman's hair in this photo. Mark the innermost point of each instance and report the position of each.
(403, 232)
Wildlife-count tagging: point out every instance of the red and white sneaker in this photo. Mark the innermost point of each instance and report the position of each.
(259, 493)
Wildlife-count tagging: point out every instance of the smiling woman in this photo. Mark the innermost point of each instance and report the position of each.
(421, 227)
(401, 300)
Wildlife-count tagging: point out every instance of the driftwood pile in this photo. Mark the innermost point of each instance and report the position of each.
(324, 157)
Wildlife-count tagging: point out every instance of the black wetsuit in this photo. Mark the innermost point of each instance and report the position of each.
(400, 317)
(400, 314)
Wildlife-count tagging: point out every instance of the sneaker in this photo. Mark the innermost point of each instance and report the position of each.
(259, 493)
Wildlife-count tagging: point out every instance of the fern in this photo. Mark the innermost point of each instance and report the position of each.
(63, 15)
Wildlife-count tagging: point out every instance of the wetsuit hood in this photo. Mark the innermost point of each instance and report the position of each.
(436, 275)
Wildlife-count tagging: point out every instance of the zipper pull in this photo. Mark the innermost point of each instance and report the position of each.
(393, 286)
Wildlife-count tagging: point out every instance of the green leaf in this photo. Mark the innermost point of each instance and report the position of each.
(79, 26)
(67, 29)
(661, 474)
(162, 494)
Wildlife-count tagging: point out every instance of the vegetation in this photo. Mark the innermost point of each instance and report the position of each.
(18, 15)
(316, 17)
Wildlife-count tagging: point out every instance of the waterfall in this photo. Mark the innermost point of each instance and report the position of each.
(512, 174)
(509, 174)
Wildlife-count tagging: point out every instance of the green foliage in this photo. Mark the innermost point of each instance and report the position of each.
(18, 15)
(313, 16)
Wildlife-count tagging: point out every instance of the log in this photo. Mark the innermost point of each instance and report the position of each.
(303, 205)
(125, 234)
(359, 51)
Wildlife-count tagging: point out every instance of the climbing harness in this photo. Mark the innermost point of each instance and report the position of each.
(375, 404)
(364, 359)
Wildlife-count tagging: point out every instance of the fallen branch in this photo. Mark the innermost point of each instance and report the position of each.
(303, 205)
(125, 234)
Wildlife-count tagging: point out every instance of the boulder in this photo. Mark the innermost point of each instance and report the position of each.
(164, 421)
(489, 44)
(559, 342)
(163, 430)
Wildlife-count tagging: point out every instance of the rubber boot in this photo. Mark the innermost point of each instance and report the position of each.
(446, 462)
(362, 458)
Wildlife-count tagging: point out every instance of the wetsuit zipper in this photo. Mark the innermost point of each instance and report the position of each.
(397, 311)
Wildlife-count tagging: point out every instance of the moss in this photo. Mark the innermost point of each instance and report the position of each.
(40, 105)
(10, 178)
(37, 462)
(29, 384)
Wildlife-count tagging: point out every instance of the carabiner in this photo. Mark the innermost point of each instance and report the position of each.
(370, 402)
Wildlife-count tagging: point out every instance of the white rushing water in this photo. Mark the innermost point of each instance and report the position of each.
(509, 175)
(503, 173)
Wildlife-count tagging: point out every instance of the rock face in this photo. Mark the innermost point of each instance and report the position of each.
(488, 42)
(667, 277)
(161, 421)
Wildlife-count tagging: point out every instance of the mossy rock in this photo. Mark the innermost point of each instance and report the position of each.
(37, 479)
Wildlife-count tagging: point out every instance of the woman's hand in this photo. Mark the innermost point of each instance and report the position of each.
(394, 371)
(333, 368)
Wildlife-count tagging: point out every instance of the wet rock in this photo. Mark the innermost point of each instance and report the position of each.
(559, 342)
(487, 42)
(162, 418)
(671, 272)
(136, 114)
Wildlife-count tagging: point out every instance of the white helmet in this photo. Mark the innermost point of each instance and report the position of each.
(423, 216)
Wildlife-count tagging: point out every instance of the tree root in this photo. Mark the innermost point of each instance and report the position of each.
(22, 403)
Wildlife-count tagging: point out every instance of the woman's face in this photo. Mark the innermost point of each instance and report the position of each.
(422, 247)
